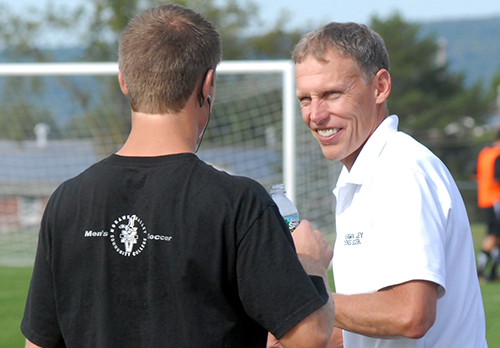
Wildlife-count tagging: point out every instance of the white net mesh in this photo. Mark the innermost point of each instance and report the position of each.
(53, 127)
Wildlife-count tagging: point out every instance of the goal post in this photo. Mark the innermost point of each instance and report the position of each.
(284, 67)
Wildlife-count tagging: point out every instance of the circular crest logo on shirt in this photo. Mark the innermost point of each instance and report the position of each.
(128, 235)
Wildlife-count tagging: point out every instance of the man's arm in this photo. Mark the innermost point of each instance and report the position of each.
(31, 345)
(313, 331)
(407, 310)
(337, 339)
(315, 256)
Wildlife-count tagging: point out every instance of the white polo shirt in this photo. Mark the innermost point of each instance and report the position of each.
(400, 217)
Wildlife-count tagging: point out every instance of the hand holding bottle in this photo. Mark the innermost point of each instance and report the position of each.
(313, 250)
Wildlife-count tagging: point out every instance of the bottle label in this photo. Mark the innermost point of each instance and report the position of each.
(292, 222)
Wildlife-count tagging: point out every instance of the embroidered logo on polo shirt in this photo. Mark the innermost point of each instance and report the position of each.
(128, 235)
(353, 238)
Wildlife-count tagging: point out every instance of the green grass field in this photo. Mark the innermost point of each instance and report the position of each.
(491, 296)
(14, 282)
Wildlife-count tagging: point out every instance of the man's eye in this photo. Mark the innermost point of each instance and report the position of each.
(305, 101)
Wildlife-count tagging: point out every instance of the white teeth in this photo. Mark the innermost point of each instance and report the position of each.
(327, 132)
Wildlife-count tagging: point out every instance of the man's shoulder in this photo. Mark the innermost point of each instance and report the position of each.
(228, 184)
(90, 173)
(241, 184)
(407, 148)
(403, 153)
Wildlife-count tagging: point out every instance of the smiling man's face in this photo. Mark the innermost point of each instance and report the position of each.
(340, 108)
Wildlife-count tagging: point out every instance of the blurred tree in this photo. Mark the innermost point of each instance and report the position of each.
(276, 43)
(19, 118)
(21, 110)
(425, 94)
(433, 103)
(107, 18)
(495, 92)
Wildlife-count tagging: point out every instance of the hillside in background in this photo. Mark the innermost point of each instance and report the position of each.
(472, 46)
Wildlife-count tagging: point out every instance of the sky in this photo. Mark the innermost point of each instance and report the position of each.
(319, 12)
(310, 14)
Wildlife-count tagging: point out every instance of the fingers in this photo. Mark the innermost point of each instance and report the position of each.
(313, 250)
(272, 342)
(302, 233)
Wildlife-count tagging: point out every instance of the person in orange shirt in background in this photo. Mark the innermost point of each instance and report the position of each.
(488, 197)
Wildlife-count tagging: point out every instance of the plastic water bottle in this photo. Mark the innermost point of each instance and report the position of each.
(285, 205)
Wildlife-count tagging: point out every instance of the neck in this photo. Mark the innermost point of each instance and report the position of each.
(159, 135)
(348, 162)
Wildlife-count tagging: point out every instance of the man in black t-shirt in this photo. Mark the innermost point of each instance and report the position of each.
(152, 247)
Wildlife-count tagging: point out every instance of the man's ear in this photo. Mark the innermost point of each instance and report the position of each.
(123, 86)
(382, 83)
(207, 83)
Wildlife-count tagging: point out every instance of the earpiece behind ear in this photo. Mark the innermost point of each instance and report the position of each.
(202, 102)
(201, 99)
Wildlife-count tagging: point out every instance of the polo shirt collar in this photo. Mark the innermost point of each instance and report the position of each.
(365, 162)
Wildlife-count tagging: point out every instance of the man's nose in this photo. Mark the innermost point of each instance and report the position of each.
(319, 111)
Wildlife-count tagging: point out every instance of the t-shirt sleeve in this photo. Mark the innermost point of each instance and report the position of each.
(274, 288)
(39, 324)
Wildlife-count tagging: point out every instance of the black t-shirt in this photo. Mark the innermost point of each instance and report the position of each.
(164, 252)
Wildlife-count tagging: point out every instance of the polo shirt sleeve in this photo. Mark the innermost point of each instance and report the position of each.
(274, 288)
(409, 217)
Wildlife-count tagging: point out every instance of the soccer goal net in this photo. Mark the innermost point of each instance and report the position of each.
(58, 119)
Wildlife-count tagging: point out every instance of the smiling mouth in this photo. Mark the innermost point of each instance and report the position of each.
(328, 132)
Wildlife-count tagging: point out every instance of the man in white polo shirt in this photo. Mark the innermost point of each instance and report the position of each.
(404, 265)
